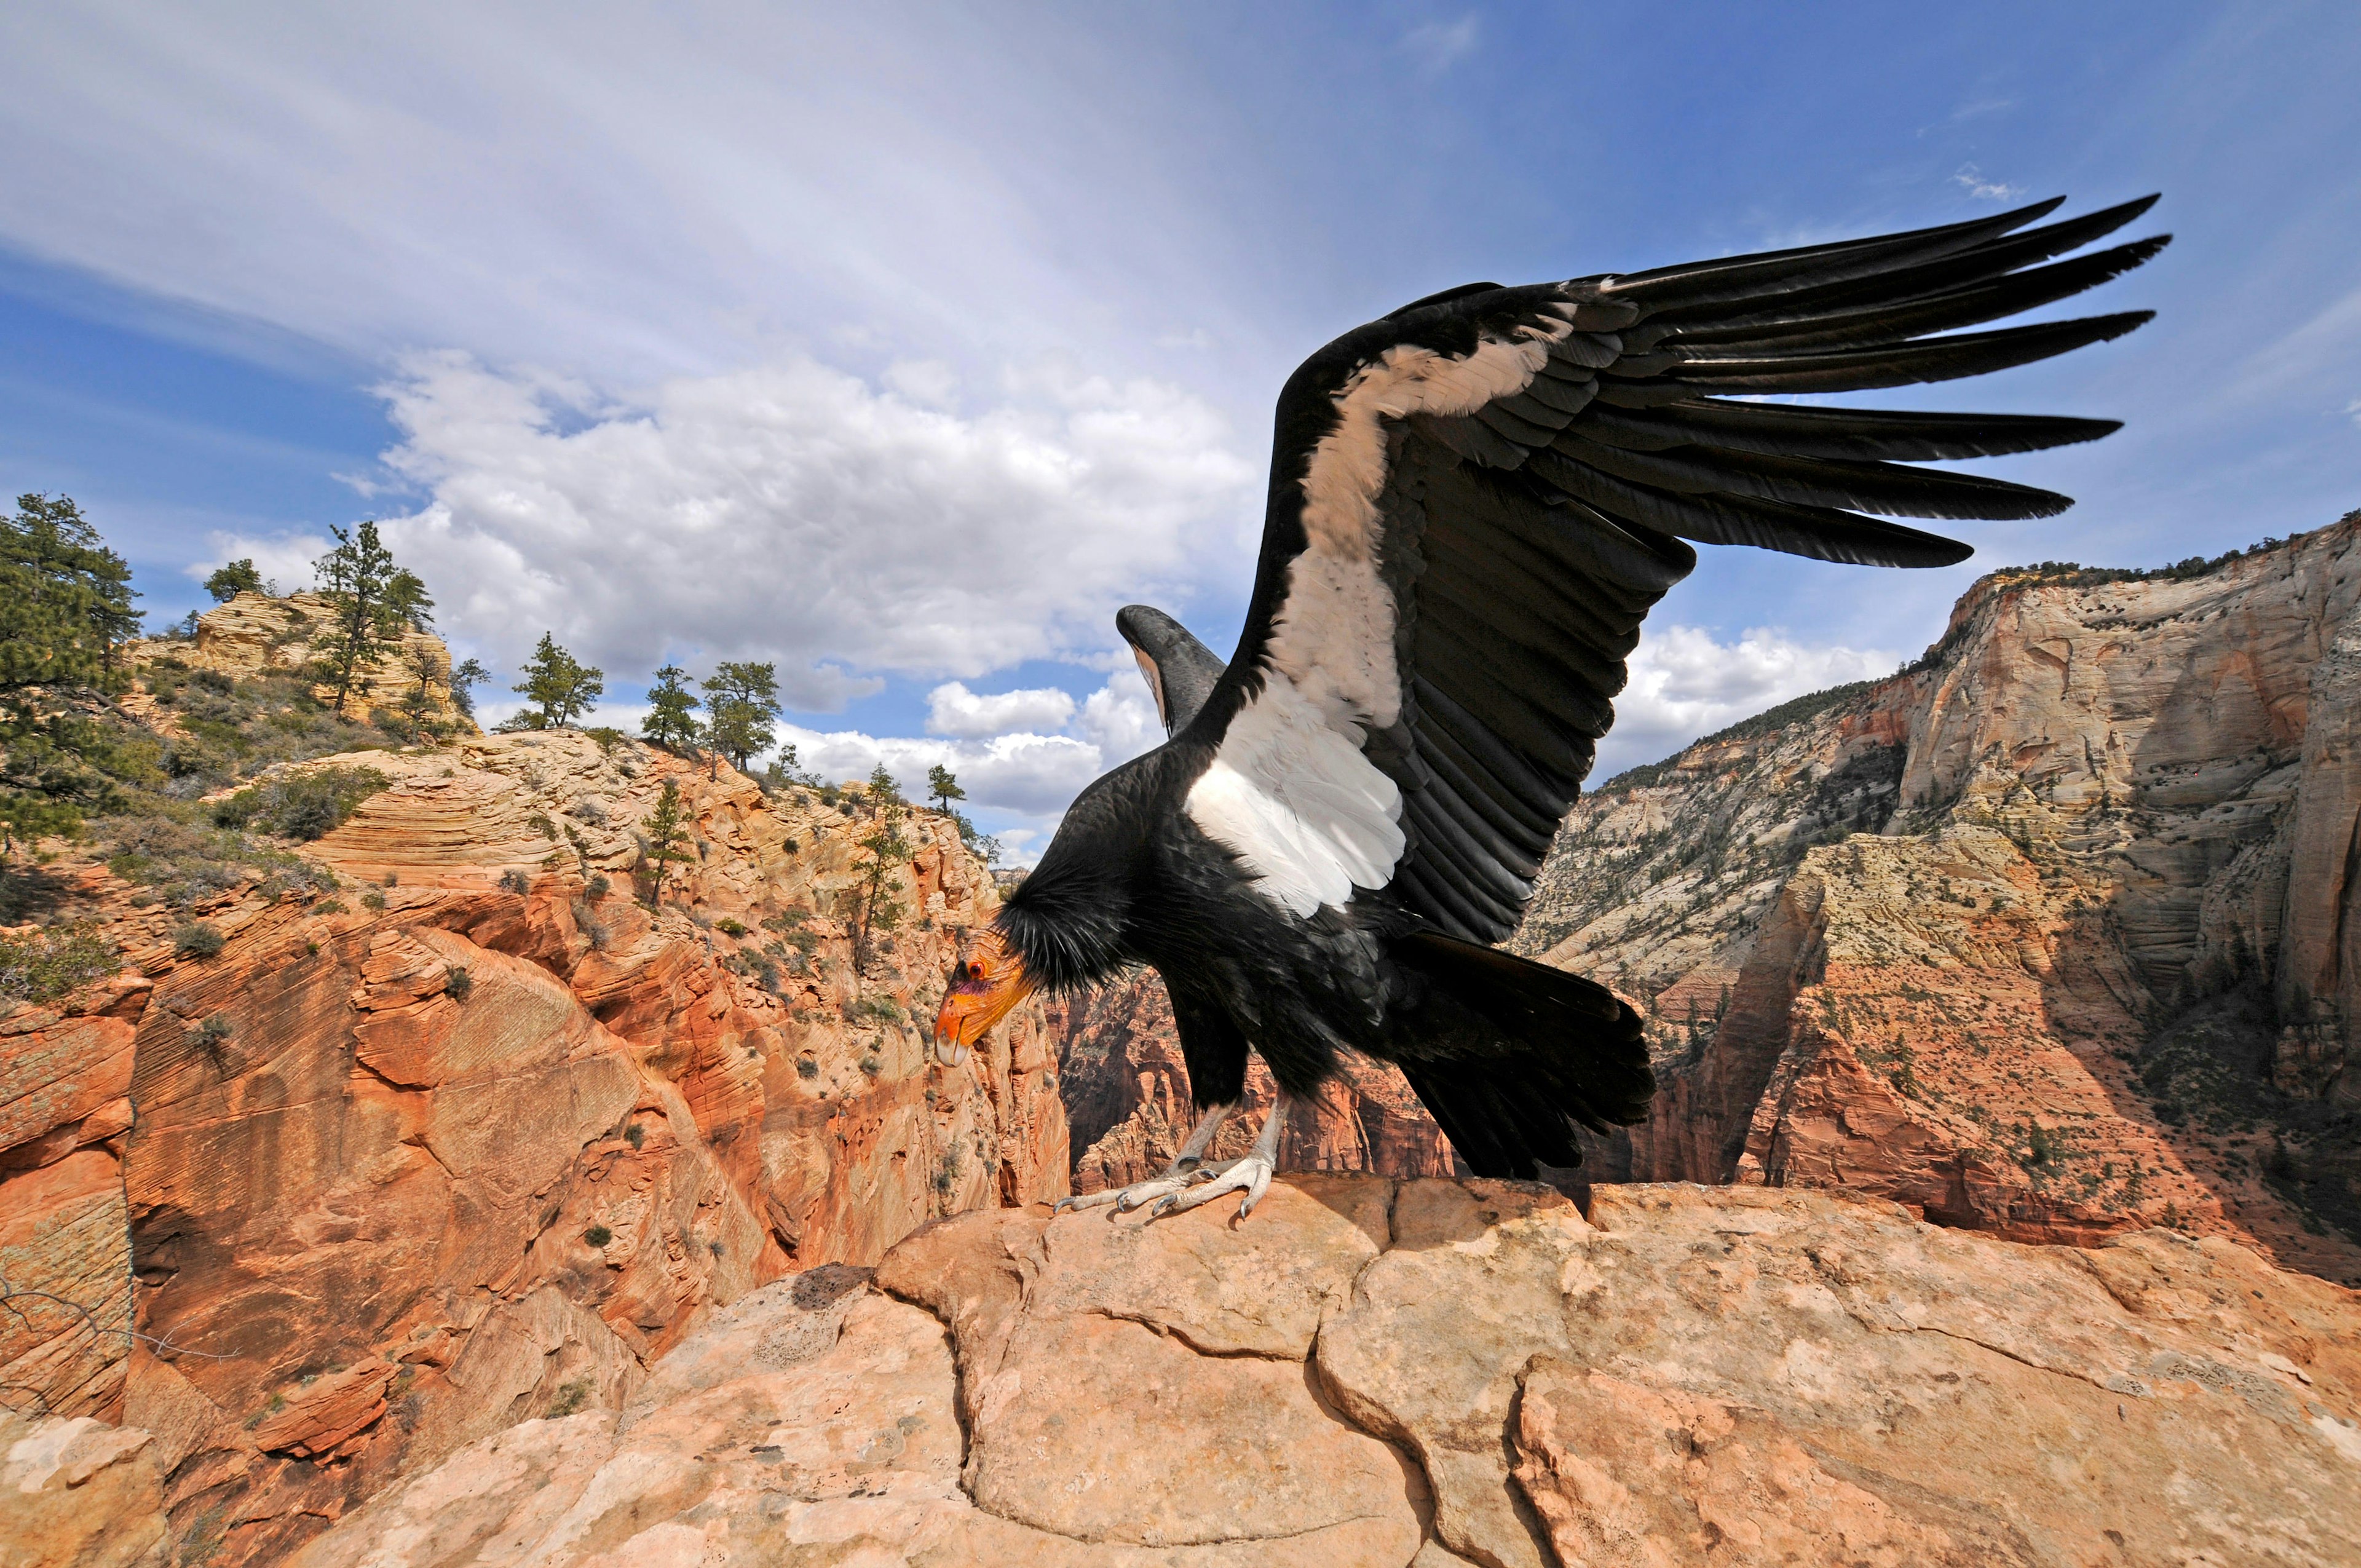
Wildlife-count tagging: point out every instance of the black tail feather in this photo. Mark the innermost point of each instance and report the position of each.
(1511, 1056)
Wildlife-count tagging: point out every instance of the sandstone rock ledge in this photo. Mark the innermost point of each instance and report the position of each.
(1433, 1372)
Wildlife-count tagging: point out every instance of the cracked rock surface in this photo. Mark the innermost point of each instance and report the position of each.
(1436, 1372)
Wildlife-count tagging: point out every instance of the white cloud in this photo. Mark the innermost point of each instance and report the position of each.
(952, 709)
(1684, 685)
(1120, 718)
(1030, 775)
(793, 512)
(1971, 179)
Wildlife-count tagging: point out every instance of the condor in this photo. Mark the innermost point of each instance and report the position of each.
(1474, 503)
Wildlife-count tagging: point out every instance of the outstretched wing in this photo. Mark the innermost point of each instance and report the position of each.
(1476, 501)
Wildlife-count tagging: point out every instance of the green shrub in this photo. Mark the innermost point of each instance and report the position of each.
(457, 983)
(598, 1236)
(301, 806)
(807, 1067)
(598, 887)
(635, 1135)
(873, 1010)
(728, 927)
(44, 965)
(373, 899)
(569, 1399)
(516, 882)
(872, 1066)
(197, 940)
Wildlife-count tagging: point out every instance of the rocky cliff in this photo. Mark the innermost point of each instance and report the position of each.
(2050, 935)
(330, 1182)
(1127, 1091)
(256, 635)
(1427, 1372)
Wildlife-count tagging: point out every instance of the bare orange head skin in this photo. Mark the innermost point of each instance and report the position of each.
(988, 982)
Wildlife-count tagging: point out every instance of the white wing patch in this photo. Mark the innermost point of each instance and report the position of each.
(1290, 794)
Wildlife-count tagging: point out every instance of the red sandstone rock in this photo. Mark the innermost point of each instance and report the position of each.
(1128, 1095)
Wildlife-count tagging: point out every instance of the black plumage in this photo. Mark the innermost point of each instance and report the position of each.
(1351, 810)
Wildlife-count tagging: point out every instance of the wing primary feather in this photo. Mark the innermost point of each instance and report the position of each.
(1815, 531)
(1947, 311)
(1889, 489)
(1797, 430)
(1746, 277)
(1902, 365)
(1990, 260)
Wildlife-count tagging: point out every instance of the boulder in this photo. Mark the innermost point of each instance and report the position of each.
(1437, 1372)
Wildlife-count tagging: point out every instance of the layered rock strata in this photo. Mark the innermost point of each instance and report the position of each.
(482, 1135)
(1435, 1373)
(2047, 935)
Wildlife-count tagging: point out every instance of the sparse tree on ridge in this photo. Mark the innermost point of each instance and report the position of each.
(885, 847)
(559, 685)
(65, 599)
(65, 608)
(943, 786)
(354, 578)
(671, 707)
(742, 704)
(664, 837)
(407, 602)
(468, 671)
(237, 577)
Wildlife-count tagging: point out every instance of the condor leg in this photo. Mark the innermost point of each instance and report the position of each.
(1187, 1167)
(1250, 1176)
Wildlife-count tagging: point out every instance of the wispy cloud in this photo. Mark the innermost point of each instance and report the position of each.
(1439, 45)
(1971, 180)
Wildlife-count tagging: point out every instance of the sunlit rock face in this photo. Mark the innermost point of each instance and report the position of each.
(2051, 935)
(483, 1136)
(1380, 1373)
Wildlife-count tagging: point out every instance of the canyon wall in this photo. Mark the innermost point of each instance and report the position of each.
(2050, 935)
(348, 1181)
(1127, 1092)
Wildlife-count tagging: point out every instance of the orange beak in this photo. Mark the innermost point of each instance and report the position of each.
(988, 983)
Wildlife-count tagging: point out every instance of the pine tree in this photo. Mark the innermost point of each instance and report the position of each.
(239, 577)
(663, 837)
(407, 602)
(354, 578)
(562, 688)
(943, 786)
(885, 847)
(65, 608)
(670, 722)
(884, 788)
(468, 671)
(65, 599)
(740, 703)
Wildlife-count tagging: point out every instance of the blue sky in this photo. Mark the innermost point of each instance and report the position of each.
(901, 347)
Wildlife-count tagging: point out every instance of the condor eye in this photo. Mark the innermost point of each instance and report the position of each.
(975, 972)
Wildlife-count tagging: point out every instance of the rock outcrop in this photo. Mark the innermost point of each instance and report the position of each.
(2047, 935)
(482, 1135)
(1127, 1091)
(254, 634)
(1432, 1373)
